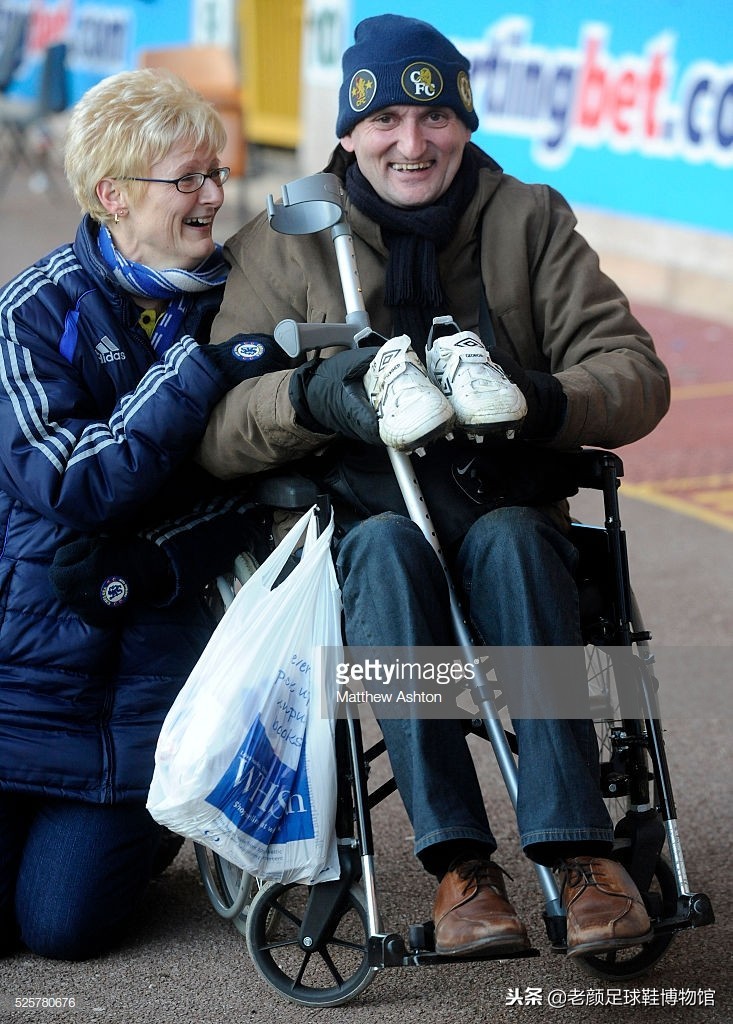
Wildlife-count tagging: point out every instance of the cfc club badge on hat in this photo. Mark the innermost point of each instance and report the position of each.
(362, 90)
(422, 82)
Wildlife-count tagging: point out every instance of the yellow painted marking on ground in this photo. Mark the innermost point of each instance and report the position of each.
(656, 494)
(715, 389)
(712, 481)
(720, 500)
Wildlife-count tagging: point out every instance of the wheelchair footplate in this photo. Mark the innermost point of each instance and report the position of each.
(390, 950)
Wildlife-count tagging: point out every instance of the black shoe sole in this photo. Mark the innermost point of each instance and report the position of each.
(594, 948)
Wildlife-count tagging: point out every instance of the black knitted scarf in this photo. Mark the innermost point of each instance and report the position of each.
(415, 236)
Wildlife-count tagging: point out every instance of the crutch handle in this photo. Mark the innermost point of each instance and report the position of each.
(294, 338)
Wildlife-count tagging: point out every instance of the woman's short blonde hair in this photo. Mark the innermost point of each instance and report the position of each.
(126, 123)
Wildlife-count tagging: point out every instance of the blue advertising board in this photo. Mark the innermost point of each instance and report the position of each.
(103, 36)
(622, 106)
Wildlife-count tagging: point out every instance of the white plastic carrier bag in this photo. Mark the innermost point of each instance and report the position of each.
(245, 761)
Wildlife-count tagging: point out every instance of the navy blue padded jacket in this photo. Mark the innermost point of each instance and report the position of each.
(95, 437)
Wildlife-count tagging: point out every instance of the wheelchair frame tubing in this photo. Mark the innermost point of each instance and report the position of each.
(654, 747)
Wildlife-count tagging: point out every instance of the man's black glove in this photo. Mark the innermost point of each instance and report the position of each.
(245, 356)
(99, 578)
(328, 396)
(543, 393)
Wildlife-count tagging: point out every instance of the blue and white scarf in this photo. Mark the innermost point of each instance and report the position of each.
(175, 285)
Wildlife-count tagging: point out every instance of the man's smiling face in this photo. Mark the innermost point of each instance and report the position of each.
(408, 154)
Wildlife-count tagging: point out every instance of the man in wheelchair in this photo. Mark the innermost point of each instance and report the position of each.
(536, 342)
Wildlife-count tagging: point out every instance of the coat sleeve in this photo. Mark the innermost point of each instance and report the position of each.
(202, 542)
(80, 469)
(253, 427)
(616, 385)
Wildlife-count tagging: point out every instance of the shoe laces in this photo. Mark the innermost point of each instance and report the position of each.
(475, 362)
(482, 873)
(397, 377)
(577, 873)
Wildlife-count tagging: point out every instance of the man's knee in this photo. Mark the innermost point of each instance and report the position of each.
(382, 545)
(516, 535)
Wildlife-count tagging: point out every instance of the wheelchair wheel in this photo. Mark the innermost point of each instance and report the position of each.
(329, 974)
(634, 961)
(229, 888)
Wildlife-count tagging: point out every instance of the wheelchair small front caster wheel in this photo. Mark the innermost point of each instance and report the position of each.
(327, 973)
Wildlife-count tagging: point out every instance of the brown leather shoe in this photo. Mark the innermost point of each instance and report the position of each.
(472, 912)
(604, 908)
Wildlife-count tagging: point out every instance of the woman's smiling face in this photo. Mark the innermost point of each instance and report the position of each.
(166, 228)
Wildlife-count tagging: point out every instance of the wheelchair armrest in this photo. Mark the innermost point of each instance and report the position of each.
(598, 467)
(285, 491)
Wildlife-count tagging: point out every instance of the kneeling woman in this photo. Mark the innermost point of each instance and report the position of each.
(106, 385)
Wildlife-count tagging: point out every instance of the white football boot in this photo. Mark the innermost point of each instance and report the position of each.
(483, 398)
(411, 410)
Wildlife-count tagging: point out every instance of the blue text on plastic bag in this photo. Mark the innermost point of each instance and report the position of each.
(262, 796)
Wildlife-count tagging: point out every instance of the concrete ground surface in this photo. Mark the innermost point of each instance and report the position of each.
(187, 965)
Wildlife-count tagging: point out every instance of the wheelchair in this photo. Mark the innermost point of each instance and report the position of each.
(322, 945)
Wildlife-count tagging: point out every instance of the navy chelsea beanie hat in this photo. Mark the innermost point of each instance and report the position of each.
(396, 60)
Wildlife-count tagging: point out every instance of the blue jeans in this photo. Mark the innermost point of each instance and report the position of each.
(71, 873)
(514, 571)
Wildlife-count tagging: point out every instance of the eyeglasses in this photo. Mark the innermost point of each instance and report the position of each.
(190, 182)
